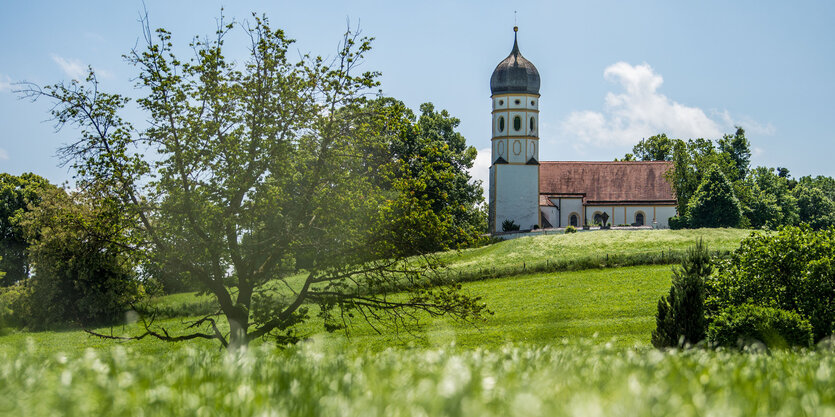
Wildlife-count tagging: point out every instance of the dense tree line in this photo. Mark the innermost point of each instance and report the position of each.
(715, 185)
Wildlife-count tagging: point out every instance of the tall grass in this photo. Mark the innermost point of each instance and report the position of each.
(586, 379)
(560, 264)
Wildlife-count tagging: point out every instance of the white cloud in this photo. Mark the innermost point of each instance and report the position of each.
(638, 112)
(5, 83)
(3, 154)
(72, 67)
(481, 168)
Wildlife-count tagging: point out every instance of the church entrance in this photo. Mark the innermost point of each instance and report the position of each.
(574, 220)
(639, 219)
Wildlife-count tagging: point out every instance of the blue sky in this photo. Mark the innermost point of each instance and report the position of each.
(613, 72)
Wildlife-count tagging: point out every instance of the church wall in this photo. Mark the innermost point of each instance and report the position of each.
(550, 213)
(663, 214)
(560, 217)
(517, 194)
(626, 214)
(591, 210)
(571, 205)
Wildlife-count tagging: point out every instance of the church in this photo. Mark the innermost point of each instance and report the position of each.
(536, 194)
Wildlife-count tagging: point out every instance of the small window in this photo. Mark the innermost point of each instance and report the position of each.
(517, 123)
(639, 219)
(532, 124)
(573, 220)
(501, 124)
(518, 101)
(533, 103)
(501, 102)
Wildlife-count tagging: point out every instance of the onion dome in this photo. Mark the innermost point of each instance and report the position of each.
(515, 74)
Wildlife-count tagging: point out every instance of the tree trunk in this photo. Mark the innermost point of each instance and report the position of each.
(238, 327)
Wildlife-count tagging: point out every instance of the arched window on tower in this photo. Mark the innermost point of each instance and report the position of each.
(501, 123)
(533, 125)
(517, 123)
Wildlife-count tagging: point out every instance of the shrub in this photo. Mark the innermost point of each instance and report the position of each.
(14, 305)
(680, 319)
(743, 325)
(677, 222)
(509, 226)
(570, 229)
(793, 270)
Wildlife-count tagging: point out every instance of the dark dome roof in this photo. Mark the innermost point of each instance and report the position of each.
(515, 74)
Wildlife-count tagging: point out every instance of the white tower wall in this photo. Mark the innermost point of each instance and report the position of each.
(517, 198)
(514, 174)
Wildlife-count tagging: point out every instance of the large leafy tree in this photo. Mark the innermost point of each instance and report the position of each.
(79, 247)
(249, 171)
(814, 207)
(714, 204)
(738, 149)
(654, 148)
(692, 161)
(437, 157)
(695, 158)
(767, 200)
(17, 195)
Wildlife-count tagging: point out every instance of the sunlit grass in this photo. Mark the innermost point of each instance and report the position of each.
(586, 378)
(537, 308)
(594, 243)
(515, 256)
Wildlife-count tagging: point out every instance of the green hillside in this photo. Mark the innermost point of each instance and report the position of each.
(536, 308)
(539, 309)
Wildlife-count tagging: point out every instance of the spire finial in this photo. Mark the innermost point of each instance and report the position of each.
(515, 26)
(515, 51)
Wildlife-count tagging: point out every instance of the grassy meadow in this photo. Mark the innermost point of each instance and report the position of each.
(569, 342)
(572, 379)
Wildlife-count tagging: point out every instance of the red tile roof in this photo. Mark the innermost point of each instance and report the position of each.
(633, 182)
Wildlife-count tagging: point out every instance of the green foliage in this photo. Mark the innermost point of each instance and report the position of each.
(14, 308)
(714, 204)
(17, 195)
(588, 379)
(791, 270)
(435, 159)
(814, 207)
(747, 324)
(825, 184)
(767, 200)
(509, 225)
(83, 276)
(260, 167)
(654, 148)
(677, 222)
(694, 159)
(738, 148)
(680, 320)
(570, 229)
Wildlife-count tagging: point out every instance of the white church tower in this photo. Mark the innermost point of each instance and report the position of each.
(514, 171)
